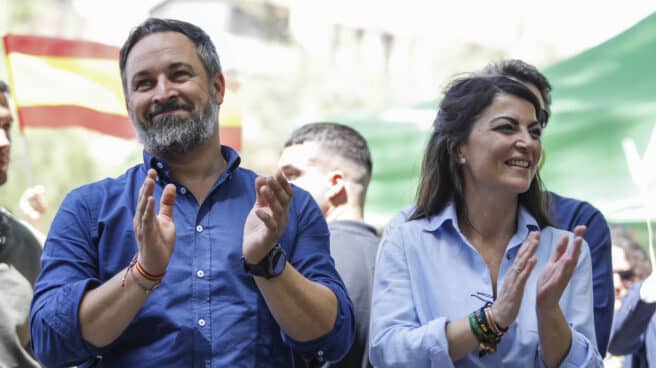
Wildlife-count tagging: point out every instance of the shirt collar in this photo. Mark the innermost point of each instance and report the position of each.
(231, 157)
(525, 221)
(445, 216)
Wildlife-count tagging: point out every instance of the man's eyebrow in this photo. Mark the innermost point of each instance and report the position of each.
(139, 74)
(180, 65)
(176, 65)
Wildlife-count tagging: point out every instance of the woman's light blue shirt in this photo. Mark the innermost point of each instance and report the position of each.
(427, 274)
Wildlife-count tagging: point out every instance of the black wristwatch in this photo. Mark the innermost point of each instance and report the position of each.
(271, 266)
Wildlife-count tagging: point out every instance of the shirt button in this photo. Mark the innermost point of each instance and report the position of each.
(199, 228)
(183, 190)
(200, 273)
(201, 322)
(320, 356)
(160, 165)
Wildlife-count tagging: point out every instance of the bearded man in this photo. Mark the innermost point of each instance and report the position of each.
(186, 260)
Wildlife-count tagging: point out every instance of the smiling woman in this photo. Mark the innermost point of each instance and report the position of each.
(480, 214)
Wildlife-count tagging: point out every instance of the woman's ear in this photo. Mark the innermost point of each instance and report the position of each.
(456, 152)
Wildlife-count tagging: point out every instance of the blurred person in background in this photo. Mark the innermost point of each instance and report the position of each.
(478, 276)
(634, 328)
(20, 252)
(333, 163)
(187, 259)
(567, 212)
(33, 206)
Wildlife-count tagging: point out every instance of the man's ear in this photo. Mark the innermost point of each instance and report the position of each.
(337, 186)
(219, 86)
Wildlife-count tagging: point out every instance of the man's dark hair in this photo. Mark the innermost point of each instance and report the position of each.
(526, 73)
(442, 178)
(4, 88)
(336, 140)
(204, 46)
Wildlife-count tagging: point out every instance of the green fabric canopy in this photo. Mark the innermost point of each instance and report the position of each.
(603, 111)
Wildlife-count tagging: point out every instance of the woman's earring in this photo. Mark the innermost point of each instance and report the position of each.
(462, 160)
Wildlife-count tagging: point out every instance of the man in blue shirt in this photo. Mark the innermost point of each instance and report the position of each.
(186, 260)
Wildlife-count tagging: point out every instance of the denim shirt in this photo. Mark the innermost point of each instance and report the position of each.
(208, 312)
(427, 274)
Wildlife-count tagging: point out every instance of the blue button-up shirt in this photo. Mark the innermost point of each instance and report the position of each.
(569, 213)
(427, 273)
(208, 311)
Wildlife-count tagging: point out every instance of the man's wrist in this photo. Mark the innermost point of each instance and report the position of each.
(147, 285)
(149, 270)
(272, 265)
(146, 281)
(255, 256)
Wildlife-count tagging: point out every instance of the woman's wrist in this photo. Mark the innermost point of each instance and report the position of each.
(501, 319)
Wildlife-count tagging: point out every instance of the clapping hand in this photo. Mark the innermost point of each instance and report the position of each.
(558, 271)
(268, 218)
(155, 233)
(506, 307)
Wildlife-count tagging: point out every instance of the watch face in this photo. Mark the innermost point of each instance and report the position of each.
(278, 261)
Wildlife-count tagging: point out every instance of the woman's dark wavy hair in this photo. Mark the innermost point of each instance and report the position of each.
(442, 178)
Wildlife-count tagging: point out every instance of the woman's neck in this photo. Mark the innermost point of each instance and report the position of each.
(488, 218)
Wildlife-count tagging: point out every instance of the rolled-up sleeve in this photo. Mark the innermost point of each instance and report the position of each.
(311, 257)
(67, 272)
(397, 337)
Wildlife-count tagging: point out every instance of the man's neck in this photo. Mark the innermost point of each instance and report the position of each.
(199, 168)
(344, 212)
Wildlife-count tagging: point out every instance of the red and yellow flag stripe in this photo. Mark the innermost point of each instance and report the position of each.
(60, 83)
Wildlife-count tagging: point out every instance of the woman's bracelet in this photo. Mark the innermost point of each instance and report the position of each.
(485, 329)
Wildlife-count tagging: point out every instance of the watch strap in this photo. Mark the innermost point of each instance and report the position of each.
(265, 268)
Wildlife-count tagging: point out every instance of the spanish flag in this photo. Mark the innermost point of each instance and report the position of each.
(59, 83)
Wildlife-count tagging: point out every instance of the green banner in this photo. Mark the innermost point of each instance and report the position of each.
(600, 143)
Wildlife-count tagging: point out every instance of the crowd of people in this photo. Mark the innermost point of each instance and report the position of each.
(189, 259)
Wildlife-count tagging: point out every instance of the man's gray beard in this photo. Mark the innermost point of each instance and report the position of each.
(172, 134)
